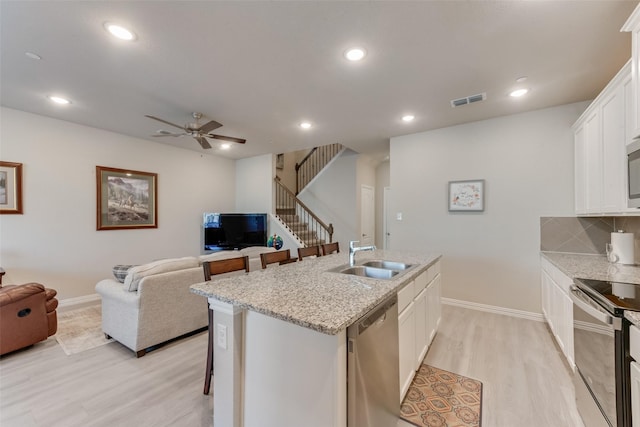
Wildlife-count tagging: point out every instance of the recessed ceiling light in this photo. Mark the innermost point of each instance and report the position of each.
(408, 118)
(119, 31)
(305, 125)
(32, 55)
(59, 100)
(225, 146)
(355, 54)
(521, 79)
(519, 92)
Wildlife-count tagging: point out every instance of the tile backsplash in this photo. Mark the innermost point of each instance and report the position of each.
(583, 235)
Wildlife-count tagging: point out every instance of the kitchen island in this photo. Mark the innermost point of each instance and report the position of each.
(280, 337)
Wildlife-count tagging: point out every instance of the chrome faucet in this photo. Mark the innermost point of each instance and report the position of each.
(353, 249)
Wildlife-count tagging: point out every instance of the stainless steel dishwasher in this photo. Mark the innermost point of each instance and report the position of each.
(373, 389)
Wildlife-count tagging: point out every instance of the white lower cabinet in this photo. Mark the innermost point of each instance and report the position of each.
(407, 344)
(433, 308)
(422, 339)
(557, 307)
(418, 319)
(635, 394)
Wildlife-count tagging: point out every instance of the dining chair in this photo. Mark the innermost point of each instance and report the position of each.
(310, 251)
(212, 268)
(329, 248)
(273, 257)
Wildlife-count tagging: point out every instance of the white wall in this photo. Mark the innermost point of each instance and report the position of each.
(527, 161)
(56, 243)
(254, 184)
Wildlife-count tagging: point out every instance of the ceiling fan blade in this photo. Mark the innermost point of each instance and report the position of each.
(227, 138)
(203, 142)
(167, 133)
(164, 121)
(208, 127)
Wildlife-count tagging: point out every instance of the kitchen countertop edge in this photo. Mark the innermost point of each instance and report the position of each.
(596, 267)
(333, 321)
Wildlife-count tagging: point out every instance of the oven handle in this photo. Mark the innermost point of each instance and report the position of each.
(604, 317)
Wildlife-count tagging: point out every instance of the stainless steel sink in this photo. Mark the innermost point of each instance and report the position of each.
(366, 271)
(387, 265)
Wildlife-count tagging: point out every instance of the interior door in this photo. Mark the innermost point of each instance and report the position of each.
(367, 216)
(386, 243)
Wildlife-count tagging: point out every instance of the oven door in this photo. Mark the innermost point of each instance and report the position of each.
(594, 337)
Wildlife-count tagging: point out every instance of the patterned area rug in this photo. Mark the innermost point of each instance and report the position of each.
(80, 330)
(438, 398)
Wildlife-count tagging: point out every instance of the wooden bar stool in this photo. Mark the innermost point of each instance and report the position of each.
(329, 248)
(281, 257)
(310, 251)
(212, 268)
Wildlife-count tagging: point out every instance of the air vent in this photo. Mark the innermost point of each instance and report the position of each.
(468, 100)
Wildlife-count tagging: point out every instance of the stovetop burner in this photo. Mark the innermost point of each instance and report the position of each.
(615, 296)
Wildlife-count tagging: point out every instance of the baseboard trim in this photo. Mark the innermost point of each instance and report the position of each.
(538, 317)
(77, 301)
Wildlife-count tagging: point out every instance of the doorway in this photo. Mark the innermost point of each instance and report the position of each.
(367, 216)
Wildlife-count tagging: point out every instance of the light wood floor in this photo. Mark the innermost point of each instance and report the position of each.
(526, 383)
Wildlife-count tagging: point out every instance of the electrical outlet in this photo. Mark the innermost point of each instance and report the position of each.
(222, 336)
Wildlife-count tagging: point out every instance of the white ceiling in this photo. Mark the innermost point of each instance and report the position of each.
(260, 68)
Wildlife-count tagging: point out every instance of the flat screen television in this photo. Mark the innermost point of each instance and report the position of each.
(231, 231)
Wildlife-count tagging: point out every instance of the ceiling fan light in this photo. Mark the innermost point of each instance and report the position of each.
(119, 31)
(225, 146)
(305, 125)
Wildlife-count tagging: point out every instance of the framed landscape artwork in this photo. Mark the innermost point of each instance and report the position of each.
(466, 196)
(126, 199)
(10, 188)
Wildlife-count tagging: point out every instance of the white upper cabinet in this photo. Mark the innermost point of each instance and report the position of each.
(614, 150)
(600, 150)
(633, 26)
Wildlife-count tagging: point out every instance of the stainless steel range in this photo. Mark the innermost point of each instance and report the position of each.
(601, 342)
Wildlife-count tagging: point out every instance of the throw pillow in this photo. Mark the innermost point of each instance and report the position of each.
(120, 271)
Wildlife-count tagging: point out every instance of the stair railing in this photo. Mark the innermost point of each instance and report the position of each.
(287, 200)
(313, 163)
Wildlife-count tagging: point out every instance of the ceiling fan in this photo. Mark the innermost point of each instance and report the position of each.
(199, 132)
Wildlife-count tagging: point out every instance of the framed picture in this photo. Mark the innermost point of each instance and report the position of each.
(126, 199)
(466, 196)
(280, 161)
(10, 188)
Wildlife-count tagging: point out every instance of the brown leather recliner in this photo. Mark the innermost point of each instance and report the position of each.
(27, 315)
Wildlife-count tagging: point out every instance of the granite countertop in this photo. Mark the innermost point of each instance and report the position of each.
(596, 267)
(633, 317)
(306, 294)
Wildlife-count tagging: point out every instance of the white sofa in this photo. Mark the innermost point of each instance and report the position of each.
(154, 305)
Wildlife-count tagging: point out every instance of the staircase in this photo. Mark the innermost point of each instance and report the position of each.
(314, 162)
(292, 212)
(304, 224)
